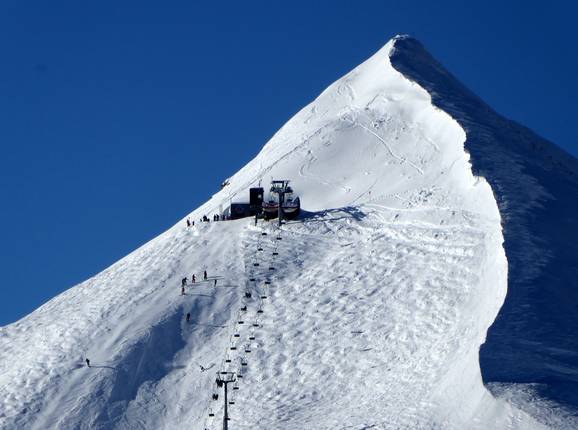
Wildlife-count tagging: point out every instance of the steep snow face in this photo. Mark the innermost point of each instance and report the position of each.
(368, 312)
(536, 186)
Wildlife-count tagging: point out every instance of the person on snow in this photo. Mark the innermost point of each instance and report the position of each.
(87, 362)
(188, 222)
(193, 278)
(183, 290)
(205, 275)
(188, 316)
(184, 281)
(215, 283)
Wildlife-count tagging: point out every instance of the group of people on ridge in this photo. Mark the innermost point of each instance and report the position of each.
(205, 218)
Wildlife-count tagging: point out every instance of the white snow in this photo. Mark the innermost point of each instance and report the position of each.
(379, 299)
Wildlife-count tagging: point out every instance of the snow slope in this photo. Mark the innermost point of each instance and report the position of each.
(368, 312)
(536, 187)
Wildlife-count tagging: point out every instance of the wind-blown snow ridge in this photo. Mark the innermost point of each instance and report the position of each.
(376, 305)
(536, 187)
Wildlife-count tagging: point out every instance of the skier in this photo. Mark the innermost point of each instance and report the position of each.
(215, 283)
(193, 278)
(188, 316)
(184, 281)
(256, 220)
(205, 275)
(202, 368)
(188, 222)
(87, 362)
(183, 290)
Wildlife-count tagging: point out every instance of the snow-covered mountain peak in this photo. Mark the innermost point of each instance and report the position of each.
(366, 312)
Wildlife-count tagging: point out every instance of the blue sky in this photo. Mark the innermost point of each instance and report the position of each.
(118, 118)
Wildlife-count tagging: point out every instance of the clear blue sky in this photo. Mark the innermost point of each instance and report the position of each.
(117, 117)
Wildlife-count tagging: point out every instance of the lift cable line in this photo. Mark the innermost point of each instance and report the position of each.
(235, 361)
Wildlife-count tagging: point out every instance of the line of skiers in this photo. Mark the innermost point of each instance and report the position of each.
(205, 218)
(185, 281)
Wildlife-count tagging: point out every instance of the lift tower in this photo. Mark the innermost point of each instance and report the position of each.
(223, 380)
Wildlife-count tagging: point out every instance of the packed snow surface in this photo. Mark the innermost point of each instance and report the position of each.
(533, 341)
(367, 312)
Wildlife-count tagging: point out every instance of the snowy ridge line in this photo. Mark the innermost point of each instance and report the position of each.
(535, 184)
